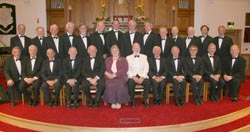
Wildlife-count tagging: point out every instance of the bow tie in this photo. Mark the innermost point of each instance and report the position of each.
(40, 38)
(18, 59)
(132, 33)
(203, 36)
(72, 59)
(55, 37)
(21, 36)
(211, 56)
(234, 57)
(175, 58)
(92, 58)
(190, 37)
(71, 36)
(136, 56)
(193, 58)
(100, 33)
(157, 58)
(83, 36)
(163, 39)
(51, 60)
(221, 37)
(146, 33)
(32, 58)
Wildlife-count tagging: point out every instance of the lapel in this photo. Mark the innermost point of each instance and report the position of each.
(19, 42)
(14, 64)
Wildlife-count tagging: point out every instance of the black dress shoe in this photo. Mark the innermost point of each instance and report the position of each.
(235, 100)
(182, 102)
(155, 101)
(133, 104)
(159, 101)
(12, 104)
(35, 103)
(50, 104)
(75, 105)
(30, 103)
(68, 105)
(145, 103)
(96, 105)
(177, 102)
(56, 104)
(200, 101)
(196, 101)
(216, 98)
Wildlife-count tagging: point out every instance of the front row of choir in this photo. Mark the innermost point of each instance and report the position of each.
(115, 77)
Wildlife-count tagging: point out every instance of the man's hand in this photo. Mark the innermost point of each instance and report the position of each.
(10, 82)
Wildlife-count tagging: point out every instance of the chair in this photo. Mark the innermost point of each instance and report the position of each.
(140, 88)
(30, 90)
(92, 90)
(206, 90)
(169, 89)
(52, 90)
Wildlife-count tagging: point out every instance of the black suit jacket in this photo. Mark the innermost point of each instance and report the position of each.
(69, 72)
(179, 41)
(98, 70)
(41, 48)
(49, 42)
(153, 69)
(27, 69)
(111, 40)
(46, 73)
(96, 40)
(65, 42)
(184, 52)
(193, 69)
(152, 40)
(169, 43)
(238, 69)
(208, 69)
(126, 48)
(204, 44)
(80, 46)
(224, 50)
(171, 67)
(10, 69)
(15, 41)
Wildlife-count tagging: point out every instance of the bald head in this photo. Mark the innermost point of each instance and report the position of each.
(190, 31)
(235, 50)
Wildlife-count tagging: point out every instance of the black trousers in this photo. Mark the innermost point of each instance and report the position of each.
(36, 88)
(179, 88)
(69, 91)
(215, 87)
(99, 89)
(47, 95)
(131, 89)
(11, 91)
(197, 87)
(234, 87)
(158, 88)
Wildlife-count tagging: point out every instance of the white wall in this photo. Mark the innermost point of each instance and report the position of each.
(218, 12)
(27, 13)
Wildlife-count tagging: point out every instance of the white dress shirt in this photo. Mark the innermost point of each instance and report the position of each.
(163, 44)
(132, 36)
(18, 65)
(56, 41)
(33, 60)
(211, 60)
(188, 40)
(145, 37)
(84, 39)
(92, 63)
(220, 41)
(22, 39)
(102, 37)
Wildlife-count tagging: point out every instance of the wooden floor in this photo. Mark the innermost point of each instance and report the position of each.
(191, 126)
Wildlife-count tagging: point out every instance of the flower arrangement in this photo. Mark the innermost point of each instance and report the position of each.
(103, 10)
(140, 11)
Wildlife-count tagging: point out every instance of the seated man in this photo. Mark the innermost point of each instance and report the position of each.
(51, 75)
(194, 68)
(234, 72)
(93, 74)
(12, 72)
(138, 74)
(71, 74)
(212, 72)
(177, 75)
(157, 74)
(31, 74)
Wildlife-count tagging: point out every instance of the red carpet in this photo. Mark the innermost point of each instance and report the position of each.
(153, 116)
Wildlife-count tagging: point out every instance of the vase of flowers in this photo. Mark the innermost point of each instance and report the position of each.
(140, 11)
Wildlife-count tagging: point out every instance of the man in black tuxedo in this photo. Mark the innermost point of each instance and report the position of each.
(21, 40)
(223, 43)
(12, 72)
(177, 40)
(66, 40)
(98, 38)
(38, 41)
(93, 74)
(166, 42)
(82, 42)
(53, 42)
(212, 72)
(129, 38)
(205, 39)
(114, 37)
(234, 72)
(150, 39)
(52, 77)
(157, 74)
(71, 73)
(176, 74)
(194, 68)
(31, 75)
(190, 40)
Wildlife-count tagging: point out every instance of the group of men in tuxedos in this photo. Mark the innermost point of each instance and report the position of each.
(77, 61)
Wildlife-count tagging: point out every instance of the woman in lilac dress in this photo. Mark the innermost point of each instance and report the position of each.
(116, 91)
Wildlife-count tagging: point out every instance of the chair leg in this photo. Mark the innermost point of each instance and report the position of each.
(22, 98)
(221, 94)
(41, 97)
(61, 97)
(187, 93)
(83, 99)
(167, 93)
(204, 92)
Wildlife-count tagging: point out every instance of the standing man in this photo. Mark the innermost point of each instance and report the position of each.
(38, 41)
(71, 74)
(93, 75)
(12, 72)
(82, 41)
(98, 38)
(177, 75)
(205, 39)
(51, 74)
(66, 40)
(234, 72)
(31, 74)
(114, 37)
(157, 74)
(150, 39)
(213, 72)
(166, 42)
(138, 74)
(177, 40)
(131, 37)
(21, 40)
